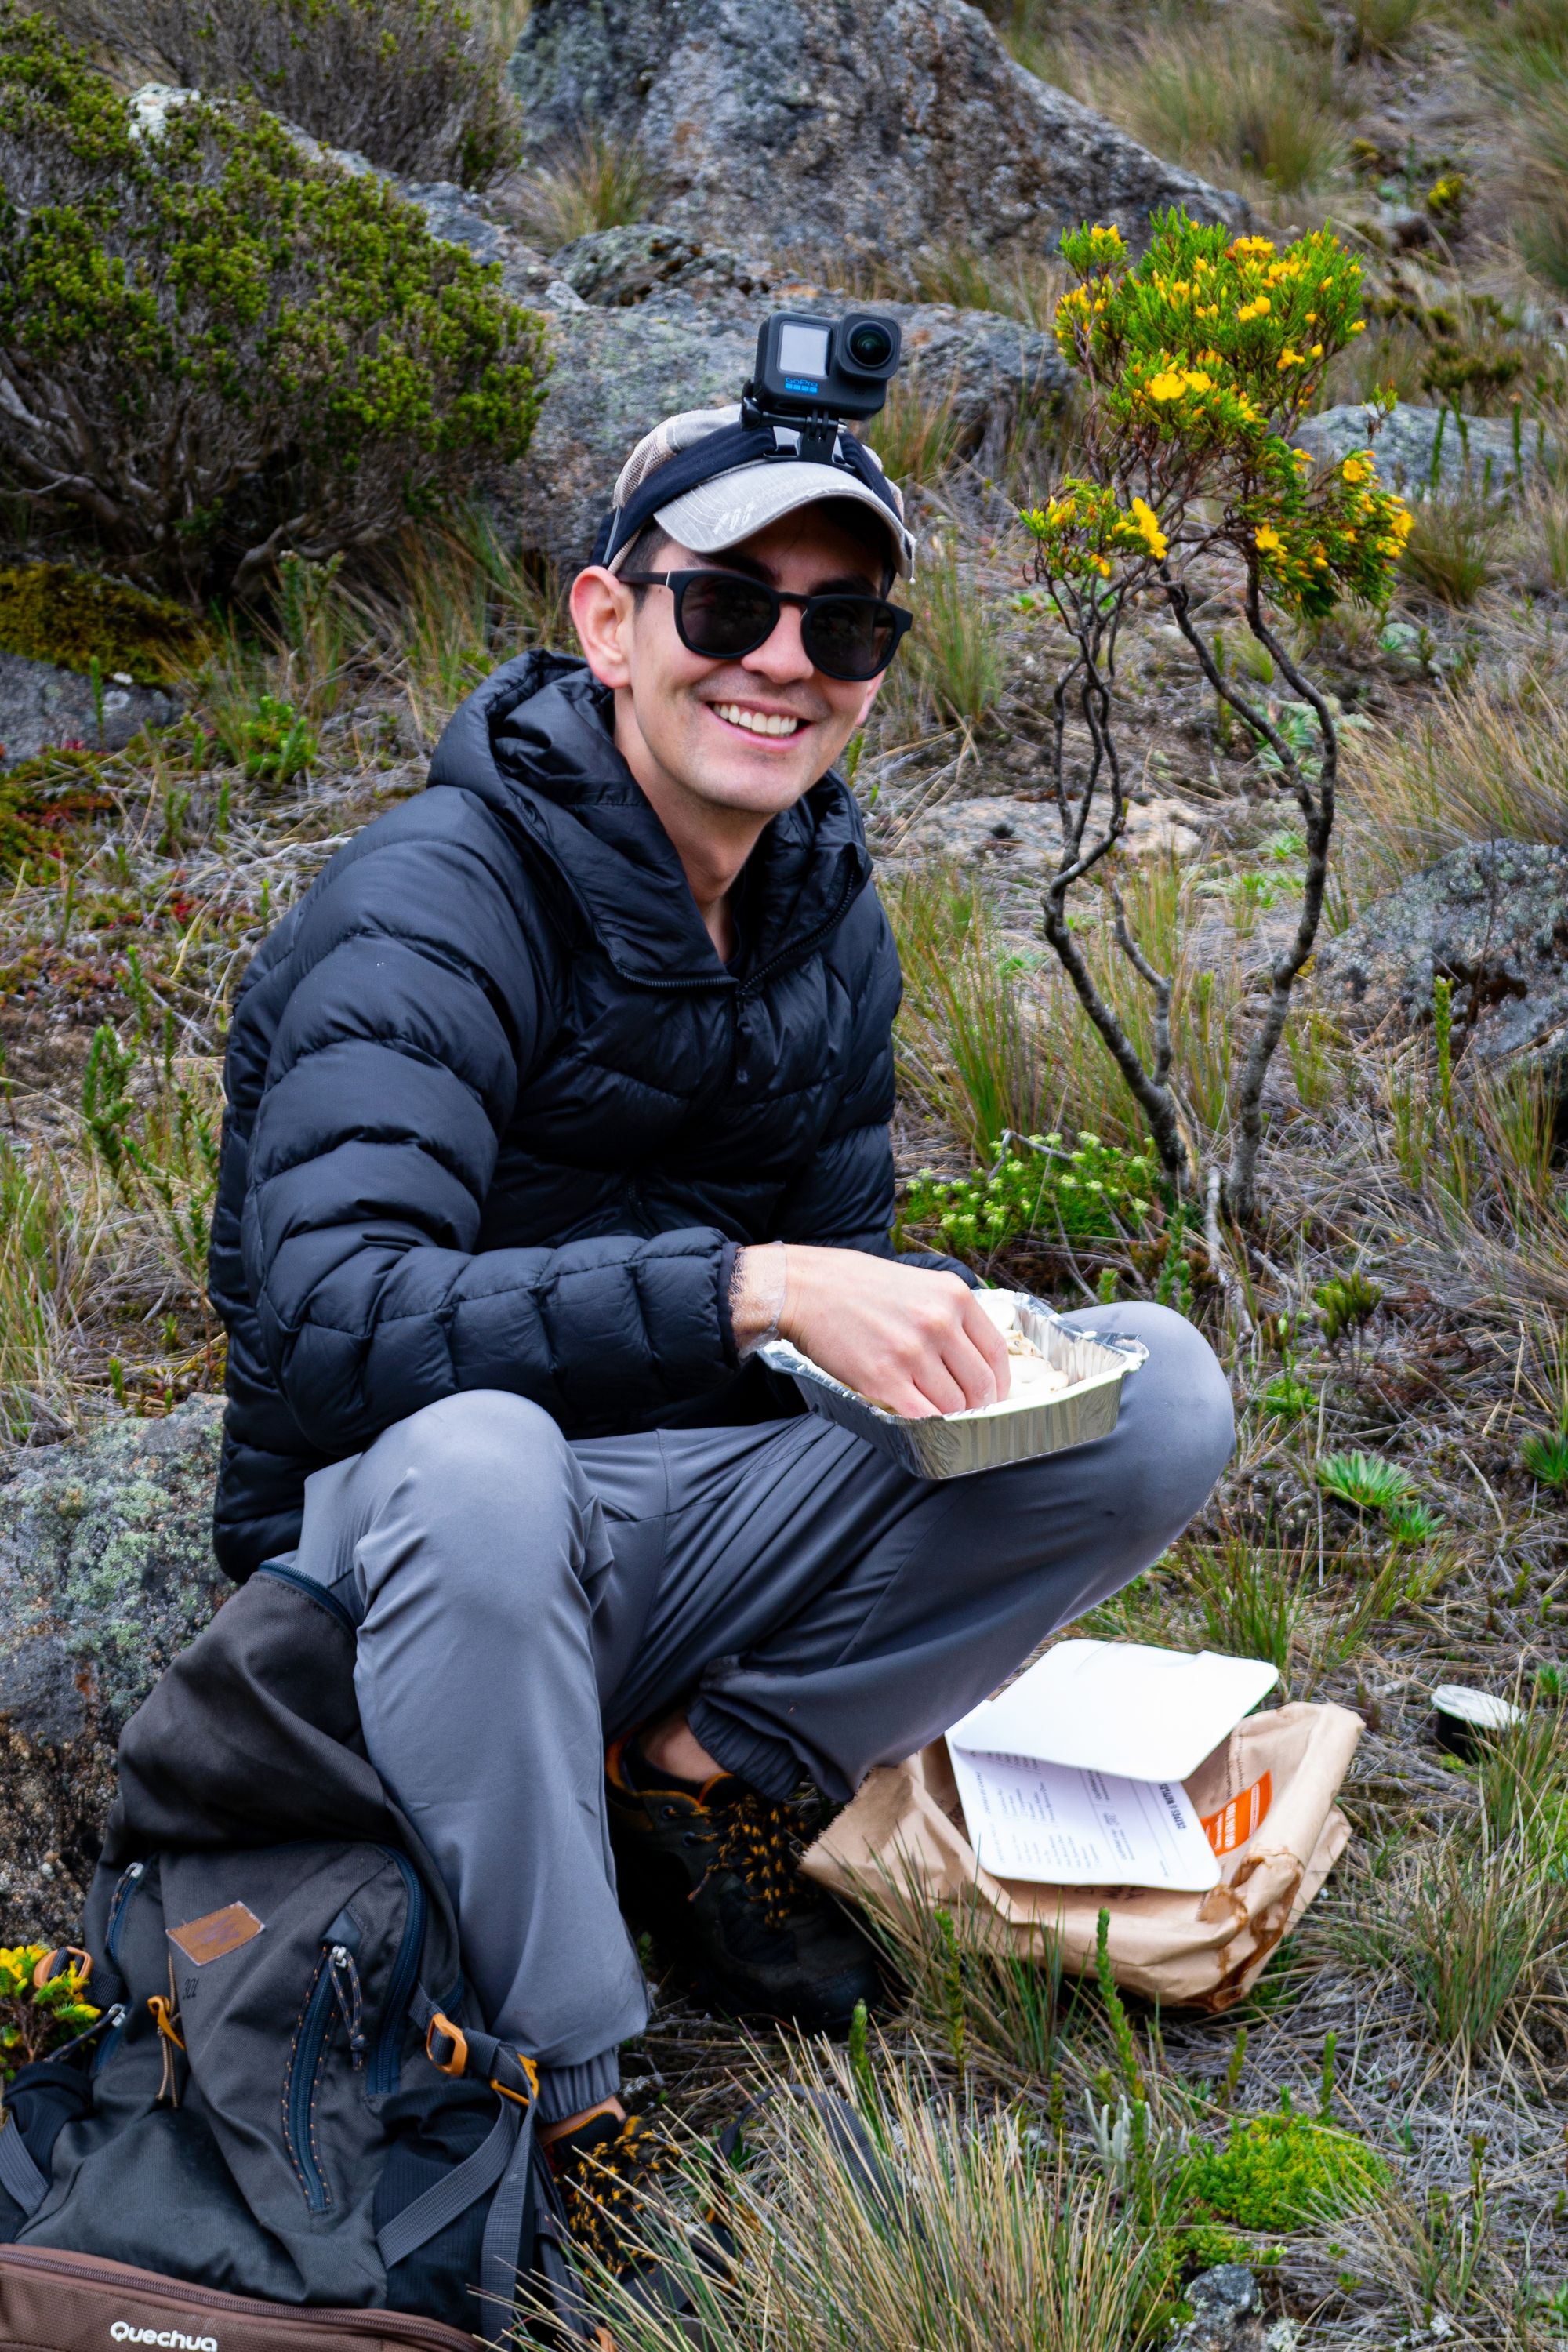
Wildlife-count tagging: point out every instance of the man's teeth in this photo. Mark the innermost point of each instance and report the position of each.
(757, 722)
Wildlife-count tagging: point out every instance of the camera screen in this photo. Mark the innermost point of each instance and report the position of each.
(803, 350)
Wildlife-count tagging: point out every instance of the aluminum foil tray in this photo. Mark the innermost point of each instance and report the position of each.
(954, 1445)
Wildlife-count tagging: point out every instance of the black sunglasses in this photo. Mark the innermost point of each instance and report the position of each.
(721, 615)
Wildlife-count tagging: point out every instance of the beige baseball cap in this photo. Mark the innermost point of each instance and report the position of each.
(710, 511)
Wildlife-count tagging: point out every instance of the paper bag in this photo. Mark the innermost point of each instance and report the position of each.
(1267, 1796)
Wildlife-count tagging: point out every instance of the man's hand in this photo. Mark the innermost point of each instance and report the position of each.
(914, 1340)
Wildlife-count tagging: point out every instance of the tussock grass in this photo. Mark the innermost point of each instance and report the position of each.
(966, 1033)
(956, 654)
(591, 179)
(1240, 105)
(966, 2234)
(57, 1227)
(917, 433)
(1477, 1928)
(1483, 766)
(1454, 551)
(1359, 29)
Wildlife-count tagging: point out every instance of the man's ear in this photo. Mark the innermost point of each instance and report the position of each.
(602, 612)
(871, 693)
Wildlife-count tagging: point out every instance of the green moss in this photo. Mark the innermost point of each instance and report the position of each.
(42, 803)
(53, 613)
(1284, 2172)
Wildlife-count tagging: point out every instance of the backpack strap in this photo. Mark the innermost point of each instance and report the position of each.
(19, 2176)
(453, 2192)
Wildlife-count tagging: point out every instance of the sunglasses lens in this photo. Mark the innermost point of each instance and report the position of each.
(851, 637)
(726, 617)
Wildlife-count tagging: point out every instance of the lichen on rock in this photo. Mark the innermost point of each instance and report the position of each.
(106, 1572)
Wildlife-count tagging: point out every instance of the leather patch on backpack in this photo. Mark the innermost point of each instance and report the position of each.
(215, 1933)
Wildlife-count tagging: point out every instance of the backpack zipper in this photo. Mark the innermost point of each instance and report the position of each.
(310, 2049)
(400, 2327)
(120, 1903)
(128, 1888)
(385, 2063)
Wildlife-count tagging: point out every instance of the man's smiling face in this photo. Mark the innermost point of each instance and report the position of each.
(750, 735)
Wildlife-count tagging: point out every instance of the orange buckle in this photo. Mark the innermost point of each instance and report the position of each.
(531, 2069)
(457, 2059)
(66, 1960)
(164, 2016)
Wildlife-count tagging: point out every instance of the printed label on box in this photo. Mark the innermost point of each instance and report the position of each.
(1235, 1822)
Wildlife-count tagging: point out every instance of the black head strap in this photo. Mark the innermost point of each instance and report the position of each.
(731, 447)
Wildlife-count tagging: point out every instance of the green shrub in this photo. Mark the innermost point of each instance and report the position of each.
(1093, 1193)
(36, 2019)
(1284, 2172)
(216, 350)
(53, 613)
(414, 84)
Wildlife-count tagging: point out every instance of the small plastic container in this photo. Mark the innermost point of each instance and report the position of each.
(1464, 1717)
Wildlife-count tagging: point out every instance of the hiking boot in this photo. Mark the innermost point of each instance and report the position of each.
(711, 1872)
(602, 2169)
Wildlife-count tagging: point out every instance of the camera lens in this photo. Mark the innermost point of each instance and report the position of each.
(870, 346)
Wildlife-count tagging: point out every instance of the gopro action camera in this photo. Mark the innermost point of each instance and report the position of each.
(809, 369)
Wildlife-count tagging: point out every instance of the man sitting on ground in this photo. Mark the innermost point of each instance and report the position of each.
(566, 1084)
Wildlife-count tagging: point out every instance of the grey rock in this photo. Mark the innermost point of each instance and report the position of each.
(1492, 918)
(106, 1571)
(1023, 837)
(459, 216)
(1228, 2316)
(1475, 450)
(615, 266)
(813, 127)
(42, 707)
(618, 371)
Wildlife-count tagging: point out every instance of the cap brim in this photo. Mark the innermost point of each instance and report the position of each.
(722, 513)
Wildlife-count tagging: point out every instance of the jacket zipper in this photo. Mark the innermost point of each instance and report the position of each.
(749, 987)
(309, 2053)
(399, 2326)
(386, 2056)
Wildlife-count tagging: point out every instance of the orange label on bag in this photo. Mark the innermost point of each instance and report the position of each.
(1235, 1822)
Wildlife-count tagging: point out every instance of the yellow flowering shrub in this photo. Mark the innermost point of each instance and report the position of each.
(1199, 362)
(1201, 358)
(36, 2019)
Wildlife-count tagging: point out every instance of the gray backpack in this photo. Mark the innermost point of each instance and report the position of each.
(289, 2099)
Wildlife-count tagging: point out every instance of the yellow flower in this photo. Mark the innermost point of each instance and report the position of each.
(1268, 541)
(1312, 318)
(1249, 248)
(1146, 524)
(1399, 520)
(1288, 359)
(1103, 567)
(1358, 326)
(1258, 308)
(1197, 381)
(1356, 470)
(1166, 385)
(1303, 461)
(1317, 351)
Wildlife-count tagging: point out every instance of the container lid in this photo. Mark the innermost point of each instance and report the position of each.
(1480, 1709)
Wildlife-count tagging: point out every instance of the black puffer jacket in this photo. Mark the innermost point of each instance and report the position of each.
(499, 1117)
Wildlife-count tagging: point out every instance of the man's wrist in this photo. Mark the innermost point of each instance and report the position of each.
(757, 1295)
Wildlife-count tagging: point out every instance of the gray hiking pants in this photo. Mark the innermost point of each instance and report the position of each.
(818, 1611)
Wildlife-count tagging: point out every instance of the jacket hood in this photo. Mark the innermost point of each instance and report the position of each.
(535, 744)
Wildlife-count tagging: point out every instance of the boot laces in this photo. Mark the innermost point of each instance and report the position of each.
(600, 2186)
(759, 1841)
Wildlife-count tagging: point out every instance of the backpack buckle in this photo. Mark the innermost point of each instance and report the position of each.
(446, 2045)
(529, 2073)
(66, 1960)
